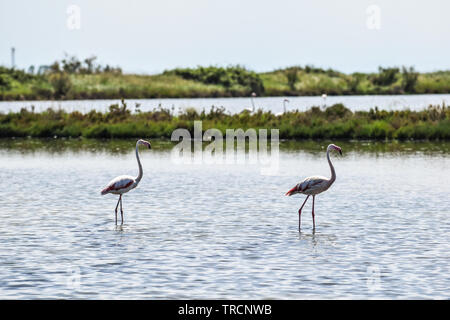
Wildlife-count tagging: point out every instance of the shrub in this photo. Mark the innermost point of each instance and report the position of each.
(228, 77)
(5, 82)
(385, 76)
(337, 111)
(61, 84)
(292, 77)
(409, 79)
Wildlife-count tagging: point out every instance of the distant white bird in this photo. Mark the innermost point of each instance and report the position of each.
(324, 97)
(123, 184)
(315, 185)
(284, 108)
(252, 109)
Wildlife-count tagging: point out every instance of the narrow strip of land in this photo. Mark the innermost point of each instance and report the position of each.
(71, 79)
(335, 122)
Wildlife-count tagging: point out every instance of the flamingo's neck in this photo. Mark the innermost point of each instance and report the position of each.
(333, 173)
(139, 177)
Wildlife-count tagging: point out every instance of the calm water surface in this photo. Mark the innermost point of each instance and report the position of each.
(191, 231)
(234, 105)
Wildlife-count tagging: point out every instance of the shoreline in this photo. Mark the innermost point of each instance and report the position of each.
(25, 145)
(17, 99)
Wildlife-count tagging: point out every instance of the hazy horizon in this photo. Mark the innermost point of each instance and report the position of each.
(149, 37)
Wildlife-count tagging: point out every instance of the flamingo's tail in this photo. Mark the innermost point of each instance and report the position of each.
(294, 190)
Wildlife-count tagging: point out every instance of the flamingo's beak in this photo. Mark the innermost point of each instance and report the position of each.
(340, 152)
(149, 145)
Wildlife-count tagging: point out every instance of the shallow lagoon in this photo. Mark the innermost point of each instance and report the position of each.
(235, 105)
(208, 231)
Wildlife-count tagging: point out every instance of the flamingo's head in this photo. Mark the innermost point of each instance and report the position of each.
(335, 147)
(145, 143)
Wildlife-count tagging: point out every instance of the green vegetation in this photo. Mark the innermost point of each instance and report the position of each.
(335, 122)
(292, 77)
(74, 79)
(385, 76)
(310, 81)
(236, 80)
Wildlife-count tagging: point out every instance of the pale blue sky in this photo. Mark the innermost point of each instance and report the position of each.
(153, 35)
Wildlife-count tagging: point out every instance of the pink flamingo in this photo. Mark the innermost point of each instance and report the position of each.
(315, 185)
(123, 184)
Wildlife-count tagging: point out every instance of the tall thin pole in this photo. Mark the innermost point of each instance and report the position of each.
(13, 60)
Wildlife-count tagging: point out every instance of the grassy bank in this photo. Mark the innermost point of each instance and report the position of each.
(72, 79)
(335, 122)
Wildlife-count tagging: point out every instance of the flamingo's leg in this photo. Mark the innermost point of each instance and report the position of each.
(121, 211)
(300, 212)
(116, 209)
(314, 222)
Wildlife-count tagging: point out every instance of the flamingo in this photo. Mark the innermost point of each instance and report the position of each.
(324, 97)
(123, 184)
(284, 108)
(314, 185)
(252, 109)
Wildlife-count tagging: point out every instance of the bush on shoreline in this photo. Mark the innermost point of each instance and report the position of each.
(335, 122)
(233, 78)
